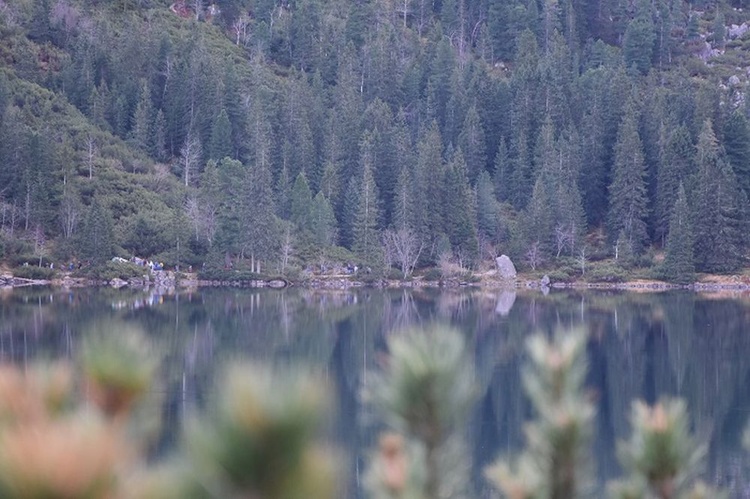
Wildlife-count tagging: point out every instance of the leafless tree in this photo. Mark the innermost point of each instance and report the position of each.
(565, 238)
(190, 155)
(10, 215)
(40, 243)
(404, 9)
(404, 247)
(69, 215)
(202, 216)
(534, 255)
(287, 248)
(90, 153)
(488, 249)
(241, 28)
(582, 260)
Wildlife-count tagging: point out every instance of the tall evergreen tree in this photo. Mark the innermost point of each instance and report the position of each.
(638, 42)
(322, 221)
(678, 259)
(488, 209)
(142, 127)
(737, 146)
(459, 213)
(472, 142)
(300, 202)
(220, 145)
(429, 180)
(366, 233)
(259, 226)
(720, 209)
(96, 239)
(628, 208)
(675, 163)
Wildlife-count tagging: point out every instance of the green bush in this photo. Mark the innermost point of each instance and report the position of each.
(112, 270)
(232, 275)
(433, 274)
(33, 272)
(607, 272)
(394, 275)
(559, 275)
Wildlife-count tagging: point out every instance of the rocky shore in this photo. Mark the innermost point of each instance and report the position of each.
(491, 280)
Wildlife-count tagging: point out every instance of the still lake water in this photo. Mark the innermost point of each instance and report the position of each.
(641, 346)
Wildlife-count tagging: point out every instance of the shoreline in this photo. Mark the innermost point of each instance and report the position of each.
(191, 281)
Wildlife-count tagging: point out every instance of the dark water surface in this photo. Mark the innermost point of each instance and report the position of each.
(641, 346)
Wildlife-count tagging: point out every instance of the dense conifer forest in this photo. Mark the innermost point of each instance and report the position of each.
(278, 135)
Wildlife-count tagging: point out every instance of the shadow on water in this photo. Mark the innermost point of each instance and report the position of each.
(641, 346)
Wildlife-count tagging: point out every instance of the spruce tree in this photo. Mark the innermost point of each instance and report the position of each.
(142, 126)
(300, 202)
(220, 145)
(678, 261)
(458, 209)
(675, 163)
(259, 236)
(628, 203)
(503, 174)
(96, 239)
(429, 180)
(488, 209)
(737, 146)
(366, 234)
(472, 143)
(638, 42)
(720, 208)
(322, 221)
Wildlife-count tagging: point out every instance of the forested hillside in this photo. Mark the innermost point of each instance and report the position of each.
(273, 135)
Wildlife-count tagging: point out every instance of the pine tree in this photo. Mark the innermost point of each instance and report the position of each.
(459, 213)
(157, 143)
(258, 223)
(628, 209)
(96, 241)
(675, 163)
(142, 128)
(366, 234)
(300, 202)
(678, 261)
(720, 208)
(430, 179)
(472, 143)
(737, 146)
(488, 209)
(322, 221)
(220, 145)
(503, 174)
(638, 42)
(538, 223)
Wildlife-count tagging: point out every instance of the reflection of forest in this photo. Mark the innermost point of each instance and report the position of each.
(642, 345)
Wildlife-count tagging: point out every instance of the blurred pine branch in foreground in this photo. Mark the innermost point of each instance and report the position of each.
(81, 432)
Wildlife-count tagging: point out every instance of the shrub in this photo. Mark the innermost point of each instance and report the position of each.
(607, 272)
(220, 274)
(112, 270)
(33, 272)
(559, 275)
(433, 275)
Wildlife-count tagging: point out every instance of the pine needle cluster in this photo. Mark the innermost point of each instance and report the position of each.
(259, 442)
(661, 456)
(555, 464)
(424, 395)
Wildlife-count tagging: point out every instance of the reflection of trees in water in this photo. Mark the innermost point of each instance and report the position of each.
(641, 346)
